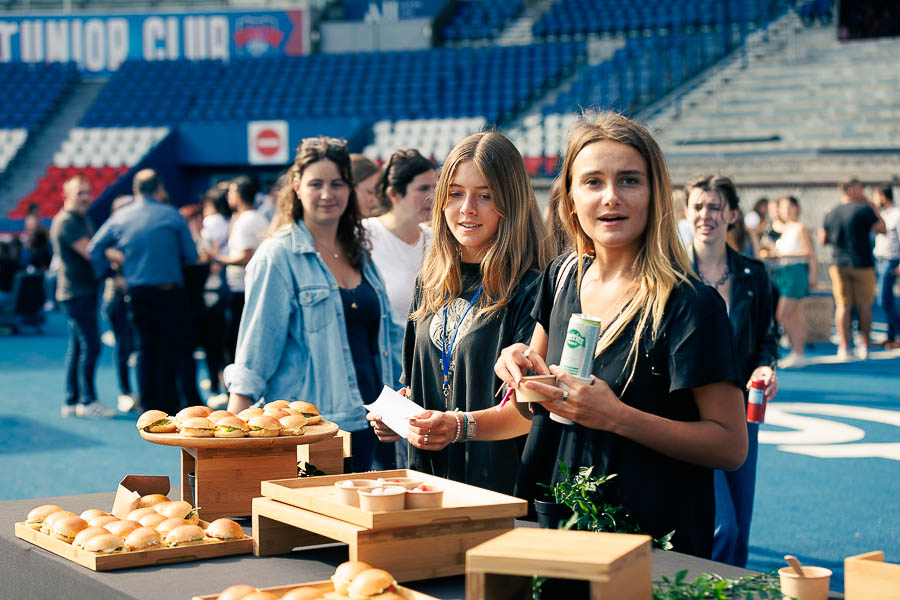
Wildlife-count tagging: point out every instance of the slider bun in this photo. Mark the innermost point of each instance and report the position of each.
(104, 543)
(67, 528)
(388, 596)
(224, 529)
(304, 407)
(236, 592)
(215, 415)
(239, 427)
(345, 573)
(292, 424)
(103, 521)
(197, 427)
(260, 596)
(152, 500)
(276, 412)
(122, 528)
(92, 513)
(142, 538)
(191, 411)
(39, 513)
(178, 509)
(303, 593)
(146, 422)
(85, 534)
(169, 524)
(249, 413)
(278, 404)
(370, 583)
(152, 520)
(139, 513)
(265, 426)
(186, 534)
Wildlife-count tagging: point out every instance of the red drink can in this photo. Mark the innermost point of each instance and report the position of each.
(756, 402)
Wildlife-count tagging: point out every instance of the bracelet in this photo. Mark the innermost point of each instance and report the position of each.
(459, 427)
(465, 423)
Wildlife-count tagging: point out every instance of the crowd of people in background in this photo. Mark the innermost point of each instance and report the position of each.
(441, 283)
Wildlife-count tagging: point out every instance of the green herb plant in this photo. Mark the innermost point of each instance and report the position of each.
(763, 586)
(305, 469)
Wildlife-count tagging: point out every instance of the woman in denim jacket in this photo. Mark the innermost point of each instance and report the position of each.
(317, 324)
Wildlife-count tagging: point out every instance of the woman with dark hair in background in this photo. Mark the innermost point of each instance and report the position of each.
(743, 283)
(316, 324)
(365, 177)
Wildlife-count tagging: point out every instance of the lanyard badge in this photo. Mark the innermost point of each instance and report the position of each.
(447, 351)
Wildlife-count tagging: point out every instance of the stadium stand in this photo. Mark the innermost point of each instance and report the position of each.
(479, 19)
(10, 142)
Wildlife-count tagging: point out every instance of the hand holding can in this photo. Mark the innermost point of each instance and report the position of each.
(756, 402)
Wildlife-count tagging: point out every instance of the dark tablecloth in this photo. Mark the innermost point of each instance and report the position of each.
(27, 571)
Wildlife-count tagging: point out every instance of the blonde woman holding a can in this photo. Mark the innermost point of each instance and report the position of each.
(663, 406)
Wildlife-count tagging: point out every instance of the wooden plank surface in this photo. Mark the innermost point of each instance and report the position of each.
(127, 560)
(323, 586)
(461, 502)
(334, 529)
(322, 430)
(868, 577)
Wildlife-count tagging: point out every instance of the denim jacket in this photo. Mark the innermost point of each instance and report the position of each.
(292, 343)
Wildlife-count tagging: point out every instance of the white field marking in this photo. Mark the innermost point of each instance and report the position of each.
(890, 451)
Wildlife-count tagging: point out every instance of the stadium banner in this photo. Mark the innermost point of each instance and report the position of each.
(99, 44)
(386, 11)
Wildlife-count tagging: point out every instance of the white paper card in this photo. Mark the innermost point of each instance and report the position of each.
(395, 410)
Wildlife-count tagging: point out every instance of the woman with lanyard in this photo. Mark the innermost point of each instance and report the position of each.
(743, 283)
(473, 298)
(317, 323)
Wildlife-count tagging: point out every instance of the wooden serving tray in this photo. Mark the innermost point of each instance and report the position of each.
(868, 577)
(140, 558)
(461, 502)
(312, 434)
(324, 587)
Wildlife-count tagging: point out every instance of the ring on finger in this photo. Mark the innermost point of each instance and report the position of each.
(565, 394)
(527, 352)
(425, 441)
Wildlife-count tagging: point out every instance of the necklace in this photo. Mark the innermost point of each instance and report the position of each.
(333, 253)
(718, 283)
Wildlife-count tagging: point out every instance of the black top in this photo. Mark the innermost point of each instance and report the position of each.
(75, 276)
(693, 349)
(849, 227)
(362, 316)
(490, 465)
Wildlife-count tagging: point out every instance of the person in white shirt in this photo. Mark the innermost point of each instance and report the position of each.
(248, 228)
(887, 259)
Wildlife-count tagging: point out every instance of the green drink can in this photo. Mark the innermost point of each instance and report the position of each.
(581, 342)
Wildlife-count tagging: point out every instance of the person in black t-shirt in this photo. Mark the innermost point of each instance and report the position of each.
(663, 407)
(848, 228)
(473, 298)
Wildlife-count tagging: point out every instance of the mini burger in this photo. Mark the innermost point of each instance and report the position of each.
(152, 500)
(47, 523)
(185, 535)
(263, 426)
(179, 509)
(103, 521)
(292, 424)
(190, 412)
(92, 513)
(67, 528)
(156, 421)
(139, 513)
(231, 427)
(85, 534)
(276, 412)
(260, 596)
(152, 521)
(371, 583)
(104, 544)
(278, 404)
(122, 528)
(303, 593)
(215, 415)
(346, 572)
(307, 410)
(224, 530)
(197, 427)
(236, 592)
(142, 538)
(169, 524)
(37, 515)
(249, 413)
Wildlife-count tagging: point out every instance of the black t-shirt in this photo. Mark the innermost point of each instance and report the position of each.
(693, 349)
(75, 276)
(490, 465)
(363, 317)
(849, 227)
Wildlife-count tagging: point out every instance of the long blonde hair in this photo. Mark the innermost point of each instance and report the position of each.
(520, 244)
(662, 262)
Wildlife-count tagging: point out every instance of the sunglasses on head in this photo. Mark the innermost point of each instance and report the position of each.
(323, 143)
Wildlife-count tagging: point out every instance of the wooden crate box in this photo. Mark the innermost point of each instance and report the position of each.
(868, 577)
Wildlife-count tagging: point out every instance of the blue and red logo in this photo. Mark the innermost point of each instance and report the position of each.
(257, 35)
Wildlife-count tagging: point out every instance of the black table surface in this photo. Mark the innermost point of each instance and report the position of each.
(27, 571)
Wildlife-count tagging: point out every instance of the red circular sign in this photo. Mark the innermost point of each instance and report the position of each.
(268, 142)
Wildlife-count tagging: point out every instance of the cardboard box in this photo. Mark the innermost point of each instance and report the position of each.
(132, 487)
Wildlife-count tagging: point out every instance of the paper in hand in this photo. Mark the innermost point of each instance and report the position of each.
(395, 410)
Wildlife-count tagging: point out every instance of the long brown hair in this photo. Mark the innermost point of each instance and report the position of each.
(520, 244)
(662, 262)
(350, 233)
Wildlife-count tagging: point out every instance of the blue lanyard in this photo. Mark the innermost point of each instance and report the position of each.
(446, 352)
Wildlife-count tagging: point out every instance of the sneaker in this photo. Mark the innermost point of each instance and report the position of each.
(843, 355)
(861, 352)
(108, 338)
(206, 384)
(217, 402)
(792, 361)
(126, 402)
(94, 410)
(132, 359)
(67, 410)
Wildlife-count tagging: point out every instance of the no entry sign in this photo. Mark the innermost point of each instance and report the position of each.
(267, 142)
